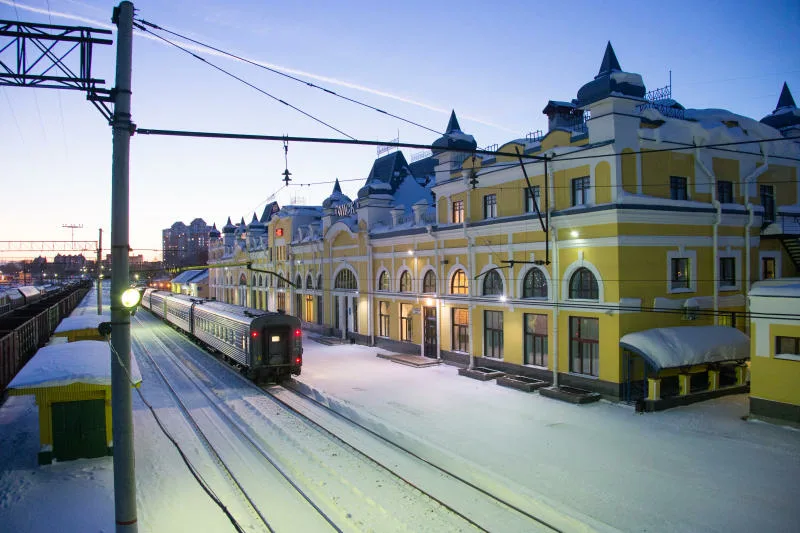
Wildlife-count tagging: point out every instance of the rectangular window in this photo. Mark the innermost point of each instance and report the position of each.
(580, 191)
(677, 188)
(532, 199)
(787, 345)
(460, 330)
(727, 272)
(405, 322)
(490, 206)
(535, 340)
(680, 273)
(319, 310)
(725, 192)
(458, 211)
(584, 346)
(383, 319)
(767, 268)
(281, 301)
(493, 334)
(309, 307)
(767, 193)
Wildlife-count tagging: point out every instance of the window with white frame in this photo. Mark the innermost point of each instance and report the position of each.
(532, 199)
(681, 270)
(458, 211)
(727, 272)
(677, 188)
(405, 282)
(580, 190)
(534, 285)
(490, 206)
(787, 345)
(429, 282)
(679, 273)
(405, 322)
(383, 281)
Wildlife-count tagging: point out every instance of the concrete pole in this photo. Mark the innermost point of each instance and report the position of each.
(99, 273)
(121, 407)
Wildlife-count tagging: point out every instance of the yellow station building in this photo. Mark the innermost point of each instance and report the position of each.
(631, 215)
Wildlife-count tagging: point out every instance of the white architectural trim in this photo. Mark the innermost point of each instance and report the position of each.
(679, 254)
(381, 270)
(482, 279)
(343, 266)
(521, 283)
(449, 279)
(570, 270)
(396, 281)
(425, 269)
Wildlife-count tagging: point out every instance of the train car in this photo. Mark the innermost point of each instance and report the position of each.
(31, 294)
(265, 346)
(158, 303)
(179, 311)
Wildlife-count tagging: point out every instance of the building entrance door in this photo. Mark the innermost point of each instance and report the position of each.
(431, 339)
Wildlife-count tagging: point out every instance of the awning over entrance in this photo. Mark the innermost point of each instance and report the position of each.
(689, 345)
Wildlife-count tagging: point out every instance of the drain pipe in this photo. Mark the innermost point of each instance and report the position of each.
(751, 218)
(714, 232)
(370, 293)
(556, 295)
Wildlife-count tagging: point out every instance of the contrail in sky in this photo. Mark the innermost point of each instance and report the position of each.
(332, 81)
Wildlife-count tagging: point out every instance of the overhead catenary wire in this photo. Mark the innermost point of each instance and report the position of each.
(285, 75)
(234, 76)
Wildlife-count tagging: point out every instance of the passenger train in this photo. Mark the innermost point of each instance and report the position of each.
(265, 346)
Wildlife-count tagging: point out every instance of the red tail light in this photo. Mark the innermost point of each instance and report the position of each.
(297, 333)
(254, 334)
(298, 360)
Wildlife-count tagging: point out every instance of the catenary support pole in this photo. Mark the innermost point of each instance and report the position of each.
(121, 406)
(99, 270)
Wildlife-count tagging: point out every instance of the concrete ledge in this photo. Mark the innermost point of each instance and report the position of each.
(570, 394)
(416, 361)
(676, 401)
(480, 373)
(522, 383)
(328, 341)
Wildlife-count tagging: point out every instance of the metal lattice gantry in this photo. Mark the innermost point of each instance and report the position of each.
(48, 246)
(54, 57)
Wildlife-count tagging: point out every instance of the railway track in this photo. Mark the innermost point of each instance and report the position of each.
(477, 508)
(256, 478)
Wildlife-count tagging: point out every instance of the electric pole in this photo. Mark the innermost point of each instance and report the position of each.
(121, 404)
(72, 228)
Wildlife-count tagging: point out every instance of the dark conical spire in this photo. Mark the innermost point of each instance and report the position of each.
(609, 63)
(255, 218)
(452, 125)
(785, 99)
(337, 187)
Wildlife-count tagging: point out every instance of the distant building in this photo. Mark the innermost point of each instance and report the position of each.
(192, 283)
(184, 245)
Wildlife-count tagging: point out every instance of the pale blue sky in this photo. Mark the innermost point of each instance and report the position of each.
(496, 65)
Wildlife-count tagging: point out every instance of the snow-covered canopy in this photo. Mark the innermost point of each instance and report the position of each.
(73, 323)
(781, 288)
(74, 362)
(688, 345)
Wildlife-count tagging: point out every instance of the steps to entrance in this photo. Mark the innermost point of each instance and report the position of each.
(410, 360)
(328, 341)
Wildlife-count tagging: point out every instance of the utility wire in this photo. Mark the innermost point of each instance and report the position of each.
(285, 75)
(262, 91)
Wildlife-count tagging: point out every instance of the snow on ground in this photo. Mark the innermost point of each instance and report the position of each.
(695, 468)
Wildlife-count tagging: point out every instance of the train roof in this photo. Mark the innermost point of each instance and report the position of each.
(29, 291)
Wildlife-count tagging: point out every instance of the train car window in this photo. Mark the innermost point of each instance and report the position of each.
(276, 338)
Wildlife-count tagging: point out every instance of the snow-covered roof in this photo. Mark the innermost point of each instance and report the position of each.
(75, 362)
(779, 288)
(73, 323)
(687, 345)
(188, 275)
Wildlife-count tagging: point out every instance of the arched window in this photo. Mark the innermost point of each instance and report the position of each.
(535, 284)
(383, 281)
(429, 282)
(319, 282)
(298, 282)
(281, 282)
(492, 284)
(583, 285)
(309, 282)
(260, 280)
(254, 279)
(345, 279)
(458, 285)
(242, 280)
(405, 282)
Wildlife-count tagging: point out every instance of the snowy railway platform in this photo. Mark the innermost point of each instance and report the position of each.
(595, 467)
